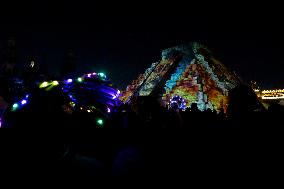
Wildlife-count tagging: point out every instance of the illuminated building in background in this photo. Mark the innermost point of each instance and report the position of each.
(187, 72)
(276, 94)
(267, 95)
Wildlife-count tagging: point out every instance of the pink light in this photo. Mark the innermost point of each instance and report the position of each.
(0, 123)
(108, 110)
(94, 73)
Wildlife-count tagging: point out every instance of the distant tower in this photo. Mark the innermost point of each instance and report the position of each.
(9, 58)
(69, 66)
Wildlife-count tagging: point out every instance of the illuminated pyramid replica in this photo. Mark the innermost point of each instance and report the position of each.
(186, 74)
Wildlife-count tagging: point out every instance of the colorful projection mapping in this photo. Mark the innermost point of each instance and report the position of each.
(189, 72)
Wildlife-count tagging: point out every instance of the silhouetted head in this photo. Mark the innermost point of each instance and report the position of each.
(194, 107)
(242, 100)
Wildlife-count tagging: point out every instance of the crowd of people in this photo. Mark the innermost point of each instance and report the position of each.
(244, 111)
(132, 154)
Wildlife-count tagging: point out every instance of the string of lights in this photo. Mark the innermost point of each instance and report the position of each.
(177, 102)
(90, 93)
(275, 94)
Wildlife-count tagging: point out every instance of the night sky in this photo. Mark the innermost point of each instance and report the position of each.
(123, 42)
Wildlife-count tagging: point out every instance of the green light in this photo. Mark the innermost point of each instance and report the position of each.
(72, 104)
(79, 79)
(15, 106)
(55, 83)
(100, 122)
(101, 74)
(43, 85)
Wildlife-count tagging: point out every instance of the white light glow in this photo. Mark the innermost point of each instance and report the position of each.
(272, 98)
(24, 102)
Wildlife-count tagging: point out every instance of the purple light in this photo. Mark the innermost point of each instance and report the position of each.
(69, 80)
(27, 96)
(89, 75)
(108, 110)
(72, 98)
(94, 73)
(24, 102)
(0, 123)
(116, 96)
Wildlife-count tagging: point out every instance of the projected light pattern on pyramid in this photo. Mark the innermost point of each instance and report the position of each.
(189, 71)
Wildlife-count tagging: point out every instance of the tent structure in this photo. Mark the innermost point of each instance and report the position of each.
(186, 74)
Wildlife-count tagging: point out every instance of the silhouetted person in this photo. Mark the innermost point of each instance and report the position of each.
(242, 100)
(243, 104)
(194, 108)
(208, 111)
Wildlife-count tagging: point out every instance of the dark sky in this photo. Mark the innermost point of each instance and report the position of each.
(124, 41)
